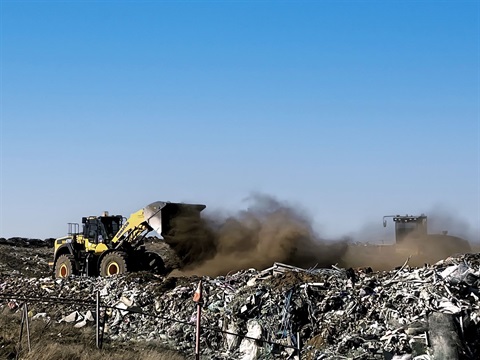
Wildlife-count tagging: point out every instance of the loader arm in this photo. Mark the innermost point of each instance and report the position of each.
(133, 228)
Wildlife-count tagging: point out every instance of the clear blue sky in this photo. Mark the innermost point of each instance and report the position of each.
(349, 109)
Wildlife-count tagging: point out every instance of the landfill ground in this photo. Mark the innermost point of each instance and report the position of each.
(335, 312)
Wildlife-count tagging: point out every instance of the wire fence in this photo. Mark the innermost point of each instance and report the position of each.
(100, 321)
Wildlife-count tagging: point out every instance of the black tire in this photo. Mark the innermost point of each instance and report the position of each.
(152, 262)
(114, 263)
(65, 266)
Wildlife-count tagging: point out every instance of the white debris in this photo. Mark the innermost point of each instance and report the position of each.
(248, 348)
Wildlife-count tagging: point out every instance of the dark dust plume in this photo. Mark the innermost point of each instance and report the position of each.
(268, 231)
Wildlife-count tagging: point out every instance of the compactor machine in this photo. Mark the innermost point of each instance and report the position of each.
(412, 239)
(412, 242)
(111, 244)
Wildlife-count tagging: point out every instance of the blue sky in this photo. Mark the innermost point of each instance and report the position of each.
(350, 110)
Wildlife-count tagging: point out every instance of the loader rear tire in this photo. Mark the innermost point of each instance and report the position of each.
(65, 266)
(114, 263)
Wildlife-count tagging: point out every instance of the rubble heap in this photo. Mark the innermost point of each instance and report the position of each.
(357, 314)
(22, 256)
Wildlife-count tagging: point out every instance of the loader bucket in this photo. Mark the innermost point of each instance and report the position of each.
(160, 215)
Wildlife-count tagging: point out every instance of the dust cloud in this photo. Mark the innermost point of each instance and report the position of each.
(268, 231)
(442, 220)
(447, 235)
(274, 231)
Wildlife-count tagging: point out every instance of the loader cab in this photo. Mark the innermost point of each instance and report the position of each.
(101, 228)
(411, 226)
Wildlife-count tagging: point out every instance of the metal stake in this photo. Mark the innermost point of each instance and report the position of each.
(104, 321)
(19, 347)
(25, 312)
(197, 297)
(97, 320)
(299, 346)
(197, 335)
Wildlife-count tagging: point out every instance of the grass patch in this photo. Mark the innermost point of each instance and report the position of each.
(53, 341)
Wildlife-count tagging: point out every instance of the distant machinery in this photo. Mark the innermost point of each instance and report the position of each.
(411, 237)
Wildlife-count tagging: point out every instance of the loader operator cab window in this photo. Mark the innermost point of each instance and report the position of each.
(95, 231)
(90, 230)
(111, 226)
(102, 235)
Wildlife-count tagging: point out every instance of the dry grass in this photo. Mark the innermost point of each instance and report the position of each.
(81, 352)
(51, 341)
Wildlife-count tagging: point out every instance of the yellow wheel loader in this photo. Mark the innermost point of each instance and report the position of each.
(110, 245)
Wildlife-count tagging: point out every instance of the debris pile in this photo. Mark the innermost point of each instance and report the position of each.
(24, 256)
(26, 242)
(335, 313)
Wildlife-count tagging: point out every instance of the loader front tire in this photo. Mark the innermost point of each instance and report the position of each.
(65, 266)
(114, 263)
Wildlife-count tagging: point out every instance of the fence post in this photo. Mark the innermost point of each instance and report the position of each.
(97, 320)
(299, 346)
(20, 337)
(104, 321)
(27, 324)
(197, 297)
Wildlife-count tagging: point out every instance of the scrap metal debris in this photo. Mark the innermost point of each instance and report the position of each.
(335, 313)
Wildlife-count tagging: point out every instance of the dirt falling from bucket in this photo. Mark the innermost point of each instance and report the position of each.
(268, 231)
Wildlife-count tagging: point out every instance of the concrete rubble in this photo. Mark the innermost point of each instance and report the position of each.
(336, 313)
